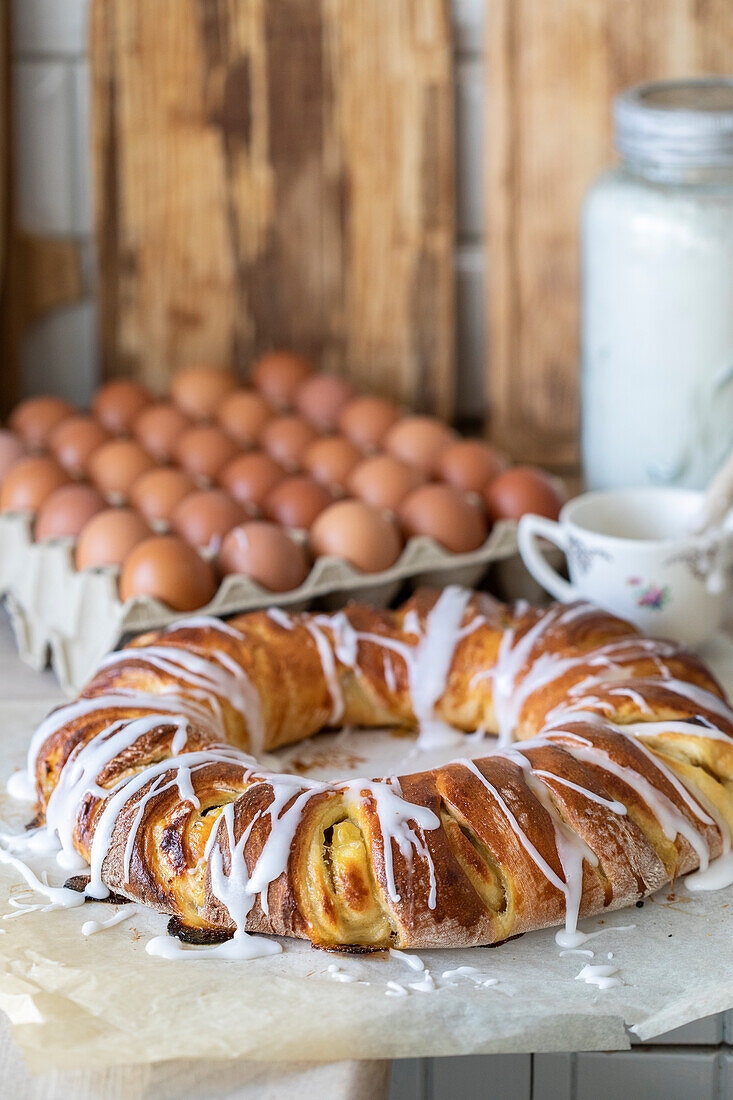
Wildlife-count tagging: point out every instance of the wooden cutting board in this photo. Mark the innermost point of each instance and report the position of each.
(277, 172)
(552, 70)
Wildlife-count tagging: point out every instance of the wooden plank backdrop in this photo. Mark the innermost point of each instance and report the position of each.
(552, 70)
(277, 173)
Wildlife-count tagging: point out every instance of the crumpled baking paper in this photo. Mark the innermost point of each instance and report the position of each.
(96, 1001)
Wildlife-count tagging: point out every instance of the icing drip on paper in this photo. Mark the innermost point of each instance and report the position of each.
(91, 927)
(563, 938)
(716, 876)
(414, 962)
(600, 974)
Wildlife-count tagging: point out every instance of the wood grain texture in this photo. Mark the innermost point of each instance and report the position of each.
(552, 70)
(277, 172)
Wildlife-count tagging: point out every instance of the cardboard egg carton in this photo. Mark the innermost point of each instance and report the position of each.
(73, 619)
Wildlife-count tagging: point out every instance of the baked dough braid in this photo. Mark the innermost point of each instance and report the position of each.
(613, 775)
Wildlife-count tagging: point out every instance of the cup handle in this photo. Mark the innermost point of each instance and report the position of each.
(532, 527)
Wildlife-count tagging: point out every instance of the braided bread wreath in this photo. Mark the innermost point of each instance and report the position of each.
(621, 781)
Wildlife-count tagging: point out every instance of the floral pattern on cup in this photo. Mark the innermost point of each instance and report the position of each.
(582, 556)
(701, 561)
(653, 597)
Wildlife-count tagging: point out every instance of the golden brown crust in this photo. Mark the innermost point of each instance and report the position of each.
(629, 783)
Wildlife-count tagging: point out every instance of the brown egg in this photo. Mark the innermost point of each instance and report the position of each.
(524, 489)
(204, 518)
(158, 493)
(331, 460)
(199, 391)
(159, 427)
(418, 440)
(366, 420)
(383, 481)
(469, 464)
(264, 552)
(118, 404)
(35, 418)
(446, 515)
(287, 438)
(167, 569)
(12, 448)
(243, 414)
(204, 450)
(29, 482)
(277, 375)
(357, 533)
(109, 537)
(297, 501)
(74, 441)
(251, 478)
(115, 467)
(321, 400)
(66, 512)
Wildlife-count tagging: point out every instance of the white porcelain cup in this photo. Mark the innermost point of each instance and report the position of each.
(632, 552)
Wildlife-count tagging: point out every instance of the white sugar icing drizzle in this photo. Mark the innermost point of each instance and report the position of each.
(79, 775)
(671, 819)
(390, 678)
(281, 618)
(600, 974)
(510, 693)
(91, 927)
(571, 849)
(524, 840)
(428, 663)
(513, 658)
(59, 897)
(610, 803)
(217, 675)
(127, 788)
(83, 708)
(328, 663)
(715, 877)
(563, 938)
(460, 972)
(204, 622)
(336, 974)
(395, 816)
(425, 985)
(413, 962)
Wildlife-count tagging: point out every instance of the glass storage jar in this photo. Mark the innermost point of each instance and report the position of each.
(657, 291)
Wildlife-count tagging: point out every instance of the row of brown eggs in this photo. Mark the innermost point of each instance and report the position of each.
(260, 418)
(204, 428)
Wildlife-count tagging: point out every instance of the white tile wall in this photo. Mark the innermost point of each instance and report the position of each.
(469, 143)
(45, 147)
(82, 148)
(49, 27)
(468, 25)
(60, 353)
(471, 330)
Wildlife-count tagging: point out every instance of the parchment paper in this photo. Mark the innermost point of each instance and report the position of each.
(102, 1000)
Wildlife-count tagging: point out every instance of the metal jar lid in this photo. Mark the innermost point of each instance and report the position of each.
(684, 122)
